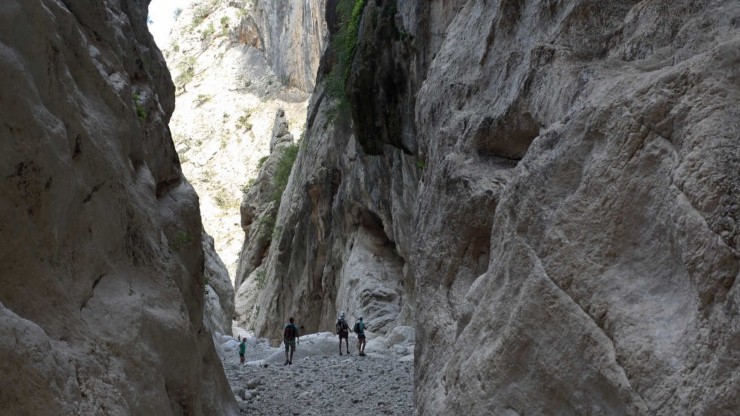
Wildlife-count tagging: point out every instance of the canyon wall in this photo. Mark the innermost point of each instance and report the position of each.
(218, 311)
(340, 237)
(235, 64)
(294, 35)
(101, 252)
(548, 190)
(582, 236)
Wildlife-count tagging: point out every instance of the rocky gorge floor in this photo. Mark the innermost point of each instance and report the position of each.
(320, 381)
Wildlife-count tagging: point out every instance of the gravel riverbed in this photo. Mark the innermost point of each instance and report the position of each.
(321, 382)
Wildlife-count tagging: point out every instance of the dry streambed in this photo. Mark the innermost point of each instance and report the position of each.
(320, 381)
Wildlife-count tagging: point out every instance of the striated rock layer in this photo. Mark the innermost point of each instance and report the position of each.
(293, 34)
(101, 302)
(549, 189)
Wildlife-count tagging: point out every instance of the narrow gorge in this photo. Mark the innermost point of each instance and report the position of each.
(533, 205)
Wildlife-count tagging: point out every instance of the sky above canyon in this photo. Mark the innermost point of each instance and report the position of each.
(162, 19)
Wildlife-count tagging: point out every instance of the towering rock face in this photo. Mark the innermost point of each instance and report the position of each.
(258, 219)
(583, 232)
(293, 34)
(218, 312)
(233, 72)
(342, 236)
(101, 303)
(559, 217)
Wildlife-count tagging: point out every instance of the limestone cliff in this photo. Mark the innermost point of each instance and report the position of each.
(340, 240)
(549, 189)
(235, 63)
(218, 311)
(258, 220)
(293, 34)
(597, 158)
(102, 265)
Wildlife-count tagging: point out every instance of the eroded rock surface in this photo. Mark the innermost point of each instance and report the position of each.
(258, 220)
(609, 285)
(101, 302)
(294, 37)
(218, 311)
(559, 217)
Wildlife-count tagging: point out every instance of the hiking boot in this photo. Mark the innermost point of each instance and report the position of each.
(286, 363)
(340, 352)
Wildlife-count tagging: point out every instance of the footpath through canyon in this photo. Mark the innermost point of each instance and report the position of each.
(320, 382)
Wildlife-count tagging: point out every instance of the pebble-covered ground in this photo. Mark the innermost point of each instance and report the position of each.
(320, 382)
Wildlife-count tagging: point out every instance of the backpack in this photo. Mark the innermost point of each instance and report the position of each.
(342, 327)
(357, 328)
(290, 332)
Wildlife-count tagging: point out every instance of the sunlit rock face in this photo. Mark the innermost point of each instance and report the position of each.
(236, 65)
(294, 37)
(233, 70)
(549, 190)
(102, 292)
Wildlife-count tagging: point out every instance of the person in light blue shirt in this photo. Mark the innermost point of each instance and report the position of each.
(361, 340)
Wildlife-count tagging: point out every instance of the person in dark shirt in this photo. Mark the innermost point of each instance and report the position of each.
(242, 350)
(343, 332)
(290, 337)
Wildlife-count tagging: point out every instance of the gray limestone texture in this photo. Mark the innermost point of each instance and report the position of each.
(557, 218)
(100, 234)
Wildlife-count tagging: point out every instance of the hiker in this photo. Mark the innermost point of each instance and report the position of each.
(343, 332)
(361, 341)
(290, 337)
(242, 350)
